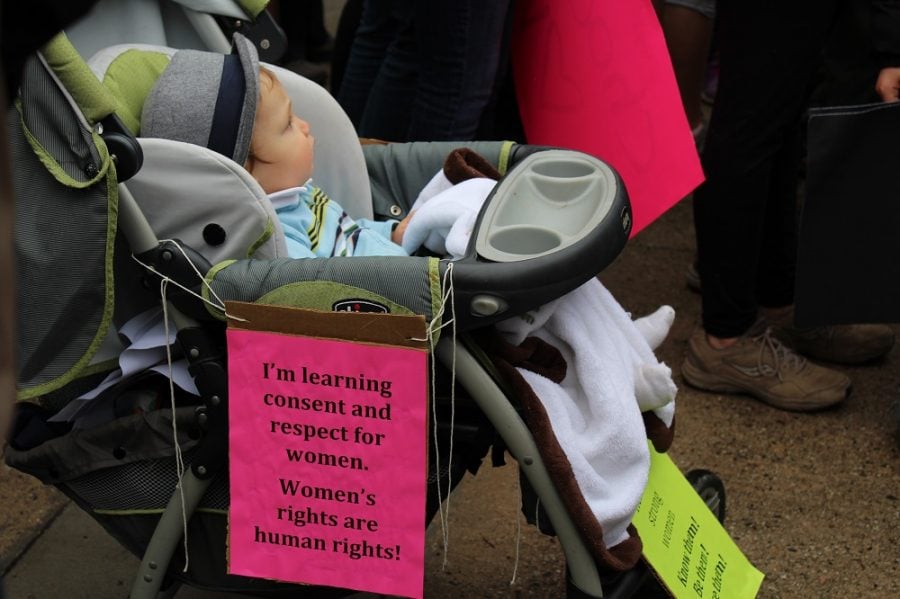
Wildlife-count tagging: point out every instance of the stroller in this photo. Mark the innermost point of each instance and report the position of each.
(73, 153)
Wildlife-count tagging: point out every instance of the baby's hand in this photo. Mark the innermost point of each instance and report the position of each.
(400, 229)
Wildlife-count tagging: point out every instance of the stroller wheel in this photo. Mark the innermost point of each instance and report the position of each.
(710, 489)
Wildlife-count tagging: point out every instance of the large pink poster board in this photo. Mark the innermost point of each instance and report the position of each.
(327, 462)
(595, 76)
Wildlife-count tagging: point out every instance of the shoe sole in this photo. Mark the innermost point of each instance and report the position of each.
(701, 379)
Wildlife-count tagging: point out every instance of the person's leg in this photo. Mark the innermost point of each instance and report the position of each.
(688, 26)
(744, 212)
(377, 30)
(319, 43)
(778, 248)
(460, 44)
(343, 40)
(769, 53)
(391, 99)
(500, 119)
(294, 18)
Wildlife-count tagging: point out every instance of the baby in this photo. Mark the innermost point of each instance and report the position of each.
(231, 105)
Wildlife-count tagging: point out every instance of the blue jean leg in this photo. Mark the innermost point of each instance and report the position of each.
(433, 78)
(394, 90)
(460, 44)
(381, 22)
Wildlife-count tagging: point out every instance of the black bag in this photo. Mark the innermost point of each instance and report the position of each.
(848, 265)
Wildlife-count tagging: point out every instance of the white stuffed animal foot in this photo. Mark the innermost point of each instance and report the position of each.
(654, 328)
(653, 384)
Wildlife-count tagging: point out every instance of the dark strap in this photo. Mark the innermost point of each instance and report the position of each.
(229, 102)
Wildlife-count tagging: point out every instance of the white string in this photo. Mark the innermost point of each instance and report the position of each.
(518, 532)
(433, 327)
(452, 408)
(179, 458)
(437, 450)
(448, 295)
(163, 287)
(195, 269)
(430, 337)
(220, 306)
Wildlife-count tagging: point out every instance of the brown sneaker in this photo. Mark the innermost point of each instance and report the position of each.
(758, 364)
(842, 344)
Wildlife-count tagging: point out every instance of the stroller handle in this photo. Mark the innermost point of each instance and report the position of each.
(556, 220)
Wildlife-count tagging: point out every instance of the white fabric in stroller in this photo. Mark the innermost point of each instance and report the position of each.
(612, 377)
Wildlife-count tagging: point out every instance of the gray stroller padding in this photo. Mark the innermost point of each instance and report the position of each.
(182, 191)
(127, 440)
(160, 22)
(394, 187)
(70, 290)
(408, 282)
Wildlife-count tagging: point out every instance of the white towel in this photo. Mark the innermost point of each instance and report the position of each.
(594, 412)
(612, 375)
(443, 222)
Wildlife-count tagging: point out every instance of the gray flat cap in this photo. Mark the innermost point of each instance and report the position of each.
(208, 99)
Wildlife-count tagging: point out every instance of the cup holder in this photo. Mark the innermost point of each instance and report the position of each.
(548, 202)
(525, 240)
(559, 169)
(561, 189)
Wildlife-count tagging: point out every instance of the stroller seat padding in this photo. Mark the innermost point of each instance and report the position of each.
(130, 75)
(160, 22)
(63, 171)
(398, 172)
(411, 283)
(340, 167)
(186, 191)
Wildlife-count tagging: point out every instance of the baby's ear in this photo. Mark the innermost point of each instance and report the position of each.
(655, 327)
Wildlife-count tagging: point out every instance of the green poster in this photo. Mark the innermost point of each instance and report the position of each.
(684, 543)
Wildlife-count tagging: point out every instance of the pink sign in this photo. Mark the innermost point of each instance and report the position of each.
(595, 76)
(327, 462)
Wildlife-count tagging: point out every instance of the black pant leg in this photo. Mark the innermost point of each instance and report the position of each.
(769, 53)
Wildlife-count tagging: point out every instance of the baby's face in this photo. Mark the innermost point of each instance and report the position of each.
(281, 149)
